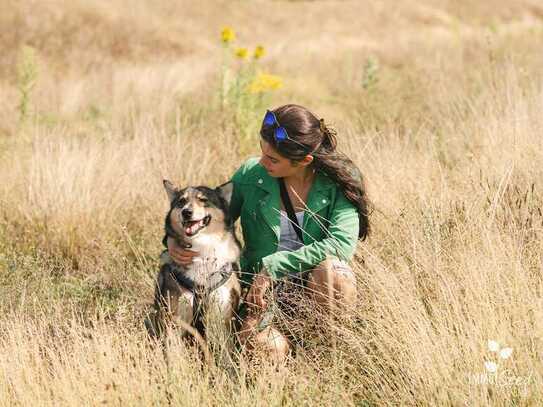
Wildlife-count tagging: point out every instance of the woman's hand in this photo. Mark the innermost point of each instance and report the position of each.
(255, 296)
(180, 255)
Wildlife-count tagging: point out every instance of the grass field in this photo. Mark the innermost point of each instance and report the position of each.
(439, 102)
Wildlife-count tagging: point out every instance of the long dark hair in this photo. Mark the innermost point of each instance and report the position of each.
(309, 135)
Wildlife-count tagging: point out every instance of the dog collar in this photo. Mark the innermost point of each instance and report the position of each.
(216, 280)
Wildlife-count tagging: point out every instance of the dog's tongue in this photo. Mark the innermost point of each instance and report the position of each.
(192, 227)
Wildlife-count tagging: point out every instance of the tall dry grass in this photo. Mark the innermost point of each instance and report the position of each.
(447, 134)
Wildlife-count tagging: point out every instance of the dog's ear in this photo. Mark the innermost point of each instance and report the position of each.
(171, 190)
(225, 190)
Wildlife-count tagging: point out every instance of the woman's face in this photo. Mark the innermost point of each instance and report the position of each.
(277, 165)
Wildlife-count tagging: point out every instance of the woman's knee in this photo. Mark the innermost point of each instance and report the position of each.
(333, 279)
(267, 341)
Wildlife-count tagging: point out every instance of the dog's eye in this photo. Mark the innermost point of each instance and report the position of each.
(202, 199)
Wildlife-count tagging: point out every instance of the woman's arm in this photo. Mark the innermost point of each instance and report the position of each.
(341, 243)
(236, 201)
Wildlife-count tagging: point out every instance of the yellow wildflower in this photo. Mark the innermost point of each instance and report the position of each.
(242, 53)
(228, 35)
(264, 82)
(259, 52)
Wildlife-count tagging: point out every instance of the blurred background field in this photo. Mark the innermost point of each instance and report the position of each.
(439, 102)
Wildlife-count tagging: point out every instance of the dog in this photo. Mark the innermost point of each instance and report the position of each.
(197, 219)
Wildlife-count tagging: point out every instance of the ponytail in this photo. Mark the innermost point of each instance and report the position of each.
(329, 140)
(345, 173)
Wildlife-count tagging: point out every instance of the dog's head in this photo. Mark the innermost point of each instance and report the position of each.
(194, 210)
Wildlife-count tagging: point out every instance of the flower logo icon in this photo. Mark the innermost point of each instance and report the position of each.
(503, 353)
(491, 366)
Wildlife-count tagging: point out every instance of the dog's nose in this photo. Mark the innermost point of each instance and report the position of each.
(187, 213)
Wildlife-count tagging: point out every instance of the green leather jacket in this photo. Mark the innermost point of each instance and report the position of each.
(330, 223)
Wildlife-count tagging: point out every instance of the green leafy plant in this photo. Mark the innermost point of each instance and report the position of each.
(27, 76)
(244, 87)
(369, 77)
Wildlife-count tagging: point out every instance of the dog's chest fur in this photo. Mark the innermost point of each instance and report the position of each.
(214, 252)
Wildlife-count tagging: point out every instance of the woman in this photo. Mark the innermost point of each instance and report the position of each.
(325, 192)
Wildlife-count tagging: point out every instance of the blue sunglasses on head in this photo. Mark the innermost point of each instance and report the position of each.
(279, 133)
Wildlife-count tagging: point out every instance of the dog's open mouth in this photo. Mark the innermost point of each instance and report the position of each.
(192, 227)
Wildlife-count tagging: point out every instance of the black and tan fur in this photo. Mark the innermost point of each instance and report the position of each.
(185, 293)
